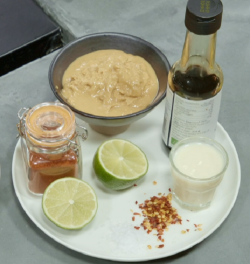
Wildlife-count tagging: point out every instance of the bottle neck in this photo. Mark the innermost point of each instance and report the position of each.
(199, 50)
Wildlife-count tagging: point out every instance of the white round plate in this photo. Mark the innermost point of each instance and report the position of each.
(111, 235)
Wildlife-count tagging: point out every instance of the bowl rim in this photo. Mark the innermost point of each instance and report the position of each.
(116, 34)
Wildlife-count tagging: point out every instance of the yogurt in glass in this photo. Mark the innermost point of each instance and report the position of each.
(198, 165)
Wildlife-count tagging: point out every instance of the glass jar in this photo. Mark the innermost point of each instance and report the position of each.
(50, 144)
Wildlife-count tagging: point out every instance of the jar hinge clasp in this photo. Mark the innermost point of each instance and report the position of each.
(84, 136)
(20, 126)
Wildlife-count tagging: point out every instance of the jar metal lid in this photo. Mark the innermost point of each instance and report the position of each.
(50, 124)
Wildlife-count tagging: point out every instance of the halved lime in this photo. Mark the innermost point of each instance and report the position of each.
(119, 164)
(69, 203)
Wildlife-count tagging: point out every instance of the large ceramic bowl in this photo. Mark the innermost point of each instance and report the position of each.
(101, 41)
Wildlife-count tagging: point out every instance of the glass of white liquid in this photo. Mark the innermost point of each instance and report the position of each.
(198, 166)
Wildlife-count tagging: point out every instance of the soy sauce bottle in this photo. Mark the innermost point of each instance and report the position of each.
(195, 81)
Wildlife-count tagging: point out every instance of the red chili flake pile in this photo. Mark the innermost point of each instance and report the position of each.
(158, 215)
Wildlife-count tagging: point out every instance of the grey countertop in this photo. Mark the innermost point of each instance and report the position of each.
(161, 23)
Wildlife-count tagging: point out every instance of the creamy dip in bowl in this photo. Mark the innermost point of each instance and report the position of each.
(109, 125)
(109, 83)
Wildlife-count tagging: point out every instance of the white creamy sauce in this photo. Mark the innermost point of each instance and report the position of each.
(198, 160)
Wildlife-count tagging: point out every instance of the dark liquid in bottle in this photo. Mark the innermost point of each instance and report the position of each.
(196, 83)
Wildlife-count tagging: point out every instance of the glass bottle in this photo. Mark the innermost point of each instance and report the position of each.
(50, 144)
(195, 81)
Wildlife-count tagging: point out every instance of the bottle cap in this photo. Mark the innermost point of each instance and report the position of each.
(203, 17)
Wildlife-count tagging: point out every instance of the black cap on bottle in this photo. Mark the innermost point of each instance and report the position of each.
(203, 17)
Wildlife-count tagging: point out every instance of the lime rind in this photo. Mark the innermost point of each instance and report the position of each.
(61, 212)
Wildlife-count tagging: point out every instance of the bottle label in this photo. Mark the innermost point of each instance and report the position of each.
(185, 118)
